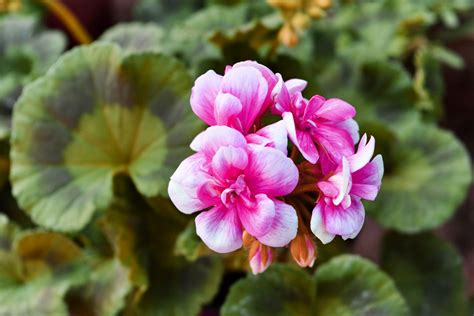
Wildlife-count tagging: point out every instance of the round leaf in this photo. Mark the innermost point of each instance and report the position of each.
(428, 182)
(135, 37)
(281, 290)
(428, 271)
(353, 286)
(97, 113)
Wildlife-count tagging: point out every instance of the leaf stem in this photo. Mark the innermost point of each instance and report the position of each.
(70, 21)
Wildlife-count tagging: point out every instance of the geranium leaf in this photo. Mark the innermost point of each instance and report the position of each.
(426, 182)
(353, 286)
(97, 113)
(36, 273)
(428, 271)
(136, 37)
(105, 292)
(281, 290)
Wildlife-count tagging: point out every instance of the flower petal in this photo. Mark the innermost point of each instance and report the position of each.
(342, 181)
(300, 139)
(183, 189)
(220, 229)
(352, 128)
(270, 172)
(204, 94)
(363, 154)
(336, 110)
(273, 135)
(366, 182)
(214, 137)
(227, 107)
(335, 142)
(228, 162)
(258, 218)
(261, 260)
(344, 222)
(250, 87)
(317, 224)
(284, 226)
(295, 85)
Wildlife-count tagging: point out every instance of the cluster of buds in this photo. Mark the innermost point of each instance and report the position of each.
(10, 5)
(249, 191)
(297, 14)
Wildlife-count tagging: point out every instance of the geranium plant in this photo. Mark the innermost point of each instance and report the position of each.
(233, 158)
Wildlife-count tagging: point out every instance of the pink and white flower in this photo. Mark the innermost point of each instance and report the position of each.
(339, 210)
(236, 184)
(237, 99)
(320, 128)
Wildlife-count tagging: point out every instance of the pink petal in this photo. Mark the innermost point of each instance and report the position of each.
(273, 135)
(363, 154)
(256, 262)
(214, 137)
(306, 146)
(250, 87)
(228, 162)
(257, 218)
(301, 139)
(269, 76)
(284, 226)
(317, 224)
(281, 97)
(352, 128)
(183, 189)
(334, 142)
(342, 181)
(336, 110)
(204, 94)
(367, 181)
(313, 106)
(220, 229)
(344, 222)
(328, 189)
(295, 85)
(270, 172)
(227, 108)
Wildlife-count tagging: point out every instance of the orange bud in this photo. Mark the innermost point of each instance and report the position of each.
(288, 36)
(285, 4)
(260, 257)
(303, 250)
(323, 4)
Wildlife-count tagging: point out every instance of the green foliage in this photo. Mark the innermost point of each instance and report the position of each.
(346, 285)
(350, 285)
(426, 182)
(428, 271)
(281, 290)
(95, 140)
(124, 119)
(136, 37)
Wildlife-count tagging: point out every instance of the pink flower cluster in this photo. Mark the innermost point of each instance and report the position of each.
(250, 192)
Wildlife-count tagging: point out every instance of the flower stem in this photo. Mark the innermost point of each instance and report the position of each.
(310, 187)
(65, 15)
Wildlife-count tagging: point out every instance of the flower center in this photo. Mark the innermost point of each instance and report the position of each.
(236, 190)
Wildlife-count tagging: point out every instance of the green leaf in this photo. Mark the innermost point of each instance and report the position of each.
(37, 272)
(97, 113)
(25, 53)
(353, 286)
(428, 272)
(281, 290)
(105, 293)
(427, 182)
(188, 244)
(177, 287)
(136, 37)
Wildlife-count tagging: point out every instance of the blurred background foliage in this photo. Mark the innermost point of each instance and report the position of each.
(106, 240)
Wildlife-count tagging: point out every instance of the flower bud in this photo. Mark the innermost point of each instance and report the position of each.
(303, 250)
(260, 257)
(287, 36)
